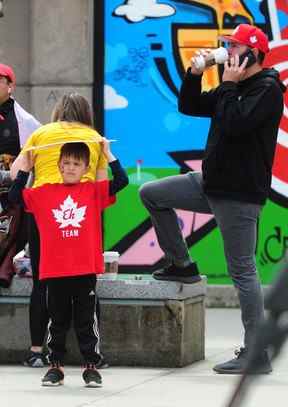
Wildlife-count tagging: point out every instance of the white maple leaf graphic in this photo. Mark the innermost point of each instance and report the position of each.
(69, 213)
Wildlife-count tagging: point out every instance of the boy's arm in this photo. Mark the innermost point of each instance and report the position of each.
(15, 192)
(120, 179)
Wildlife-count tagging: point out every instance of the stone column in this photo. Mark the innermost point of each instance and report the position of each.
(61, 52)
(14, 45)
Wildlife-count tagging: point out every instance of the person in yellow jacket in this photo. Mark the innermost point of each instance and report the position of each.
(71, 121)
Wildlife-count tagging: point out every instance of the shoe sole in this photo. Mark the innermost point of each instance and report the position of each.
(240, 372)
(50, 384)
(180, 279)
(93, 385)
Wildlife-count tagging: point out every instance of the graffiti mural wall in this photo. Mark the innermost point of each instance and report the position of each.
(148, 45)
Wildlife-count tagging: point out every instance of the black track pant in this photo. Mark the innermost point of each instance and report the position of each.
(38, 310)
(73, 297)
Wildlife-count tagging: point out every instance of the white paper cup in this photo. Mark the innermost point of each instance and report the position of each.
(111, 260)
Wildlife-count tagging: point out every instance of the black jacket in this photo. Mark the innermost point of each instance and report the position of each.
(9, 132)
(243, 133)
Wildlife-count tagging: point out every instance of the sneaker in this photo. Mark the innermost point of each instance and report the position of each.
(188, 274)
(54, 377)
(91, 376)
(36, 359)
(238, 364)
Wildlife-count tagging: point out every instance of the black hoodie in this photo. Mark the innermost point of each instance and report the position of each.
(242, 138)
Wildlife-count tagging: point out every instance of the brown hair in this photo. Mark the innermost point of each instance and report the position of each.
(72, 108)
(80, 151)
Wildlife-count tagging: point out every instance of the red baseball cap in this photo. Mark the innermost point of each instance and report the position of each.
(7, 71)
(249, 35)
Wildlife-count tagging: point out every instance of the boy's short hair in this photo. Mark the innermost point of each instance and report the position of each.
(80, 151)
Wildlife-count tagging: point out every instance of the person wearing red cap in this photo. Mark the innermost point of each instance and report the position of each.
(15, 123)
(7, 78)
(245, 111)
(10, 142)
(15, 126)
(8, 73)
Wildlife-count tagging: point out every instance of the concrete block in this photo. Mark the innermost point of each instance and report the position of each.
(62, 42)
(160, 333)
(15, 337)
(15, 37)
(152, 323)
(164, 333)
(44, 98)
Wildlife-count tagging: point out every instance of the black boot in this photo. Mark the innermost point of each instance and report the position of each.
(188, 274)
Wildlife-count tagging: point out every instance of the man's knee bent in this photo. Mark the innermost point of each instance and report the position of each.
(146, 192)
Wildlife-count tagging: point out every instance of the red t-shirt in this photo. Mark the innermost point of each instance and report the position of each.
(69, 222)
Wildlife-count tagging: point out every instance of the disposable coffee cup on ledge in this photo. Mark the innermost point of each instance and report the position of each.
(111, 261)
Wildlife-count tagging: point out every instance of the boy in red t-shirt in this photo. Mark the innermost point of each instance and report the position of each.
(68, 217)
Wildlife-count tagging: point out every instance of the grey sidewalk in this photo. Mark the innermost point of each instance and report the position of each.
(195, 385)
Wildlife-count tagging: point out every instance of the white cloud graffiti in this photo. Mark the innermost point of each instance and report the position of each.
(112, 100)
(137, 10)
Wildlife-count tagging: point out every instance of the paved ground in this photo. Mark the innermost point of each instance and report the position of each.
(195, 385)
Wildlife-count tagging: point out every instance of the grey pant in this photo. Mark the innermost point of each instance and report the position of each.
(238, 225)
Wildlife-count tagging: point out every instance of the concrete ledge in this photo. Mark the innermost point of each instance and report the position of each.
(126, 287)
(221, 296)
(224, 296)
(143, 322)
